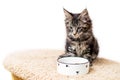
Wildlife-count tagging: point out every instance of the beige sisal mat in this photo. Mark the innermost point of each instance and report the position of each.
(41, 65)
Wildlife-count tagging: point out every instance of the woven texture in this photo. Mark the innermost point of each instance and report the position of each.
(41, 65)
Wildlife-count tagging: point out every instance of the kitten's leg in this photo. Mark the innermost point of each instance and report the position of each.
(90, 57)
(69, 54)
(86, 55)
(93, 53)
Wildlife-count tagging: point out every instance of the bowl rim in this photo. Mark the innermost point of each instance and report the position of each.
(58, 60)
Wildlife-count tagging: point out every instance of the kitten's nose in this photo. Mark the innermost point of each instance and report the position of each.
(74, 33)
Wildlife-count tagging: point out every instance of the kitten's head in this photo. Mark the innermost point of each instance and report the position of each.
(77, 24)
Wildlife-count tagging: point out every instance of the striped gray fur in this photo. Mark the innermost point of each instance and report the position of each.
(80, 41)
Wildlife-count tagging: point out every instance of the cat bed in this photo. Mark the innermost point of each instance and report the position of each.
(41, 65)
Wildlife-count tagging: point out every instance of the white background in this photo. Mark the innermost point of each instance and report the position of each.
(36, 24)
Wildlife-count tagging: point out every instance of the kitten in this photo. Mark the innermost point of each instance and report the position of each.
(80, 41)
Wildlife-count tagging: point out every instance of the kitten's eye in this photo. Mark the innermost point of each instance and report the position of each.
(79, 29)
(85, 28)
(70, 27)
(67, 22)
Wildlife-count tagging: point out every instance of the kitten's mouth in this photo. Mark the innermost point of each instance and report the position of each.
(74, 39)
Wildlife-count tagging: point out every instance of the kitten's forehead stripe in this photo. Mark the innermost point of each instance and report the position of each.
(75, 15)
(75, 20)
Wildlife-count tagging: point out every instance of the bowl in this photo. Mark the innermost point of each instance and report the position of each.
(72, 66)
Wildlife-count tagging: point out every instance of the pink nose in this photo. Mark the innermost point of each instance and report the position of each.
(74, 33)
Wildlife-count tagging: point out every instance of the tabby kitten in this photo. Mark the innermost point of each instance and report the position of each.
(80, 41)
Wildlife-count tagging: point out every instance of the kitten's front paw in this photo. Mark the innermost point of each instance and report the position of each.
(90, 64)
(67, 55)
(61, 56)
(91, 61)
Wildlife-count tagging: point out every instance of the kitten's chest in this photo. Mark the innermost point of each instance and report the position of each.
(80, 48)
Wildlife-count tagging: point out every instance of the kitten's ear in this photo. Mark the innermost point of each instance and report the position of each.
(84, 12)
(84, 16)
(67, 14)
